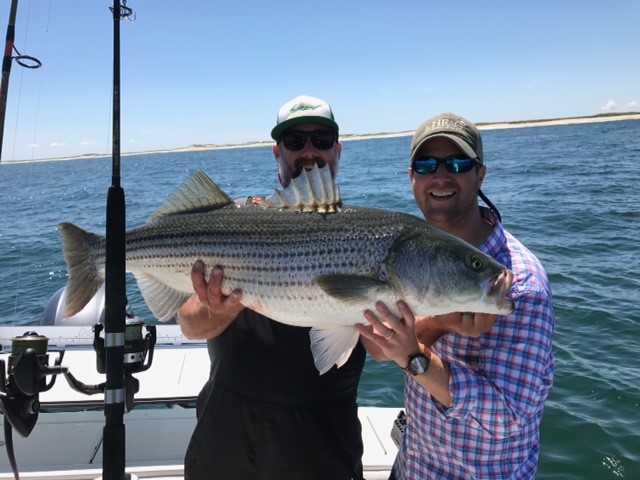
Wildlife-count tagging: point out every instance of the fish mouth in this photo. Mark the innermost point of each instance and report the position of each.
(500, 284)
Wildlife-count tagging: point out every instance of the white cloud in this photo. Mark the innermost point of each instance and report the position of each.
(610, 106)
(57, 144)
(84, 143)
(33, 145)
(635, 104)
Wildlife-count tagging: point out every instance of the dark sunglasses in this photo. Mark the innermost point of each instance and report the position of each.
(320, 139)
(453, 164)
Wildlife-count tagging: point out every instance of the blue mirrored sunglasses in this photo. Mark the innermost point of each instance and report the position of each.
(453, 164)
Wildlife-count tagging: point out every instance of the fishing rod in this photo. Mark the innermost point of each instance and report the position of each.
(113, 451)
(28, 367)
(9, 48)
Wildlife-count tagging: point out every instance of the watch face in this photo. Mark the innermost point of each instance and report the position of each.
(418, 365)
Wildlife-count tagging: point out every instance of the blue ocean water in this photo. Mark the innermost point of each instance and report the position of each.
(568, 192)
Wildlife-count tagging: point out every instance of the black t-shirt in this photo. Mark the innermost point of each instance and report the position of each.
(268, 361)
(266, 413)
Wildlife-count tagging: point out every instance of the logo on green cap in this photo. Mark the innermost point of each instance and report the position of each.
(301, 108)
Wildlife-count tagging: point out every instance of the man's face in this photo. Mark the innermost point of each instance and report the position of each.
(292, 161)
(446, 198)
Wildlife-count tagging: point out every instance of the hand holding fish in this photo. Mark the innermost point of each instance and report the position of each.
(468, 324)
(393, 337)
(403, 345)
(210, 293)
(207, 313)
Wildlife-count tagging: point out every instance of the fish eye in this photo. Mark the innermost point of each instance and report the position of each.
(476, 263)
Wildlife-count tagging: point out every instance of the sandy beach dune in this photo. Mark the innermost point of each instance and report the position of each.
(481, 126)
(350, 137)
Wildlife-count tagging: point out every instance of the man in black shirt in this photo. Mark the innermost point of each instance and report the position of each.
(265, 412)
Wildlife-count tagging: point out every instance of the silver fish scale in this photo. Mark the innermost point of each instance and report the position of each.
(273, 256)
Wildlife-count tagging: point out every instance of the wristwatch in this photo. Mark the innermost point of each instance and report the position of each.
(418, 364)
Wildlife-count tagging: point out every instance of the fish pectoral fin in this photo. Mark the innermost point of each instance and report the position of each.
(351, 288)
(163, 301)
(332, 345)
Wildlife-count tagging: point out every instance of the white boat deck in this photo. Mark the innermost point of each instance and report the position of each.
(67, 444)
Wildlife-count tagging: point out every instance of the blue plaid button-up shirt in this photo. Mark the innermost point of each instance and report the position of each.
(498, 382)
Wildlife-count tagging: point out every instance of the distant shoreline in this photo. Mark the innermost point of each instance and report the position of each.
(351, 137)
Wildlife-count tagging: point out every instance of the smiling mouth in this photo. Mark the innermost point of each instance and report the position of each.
(442, 194)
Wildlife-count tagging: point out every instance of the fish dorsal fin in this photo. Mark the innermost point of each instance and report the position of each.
(311, 191)
(196, 194)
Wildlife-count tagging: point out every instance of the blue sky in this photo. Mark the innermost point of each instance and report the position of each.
(207, 71)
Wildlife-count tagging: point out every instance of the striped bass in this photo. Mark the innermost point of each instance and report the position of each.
(301, 258)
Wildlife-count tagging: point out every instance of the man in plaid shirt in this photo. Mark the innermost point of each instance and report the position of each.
(474, 404)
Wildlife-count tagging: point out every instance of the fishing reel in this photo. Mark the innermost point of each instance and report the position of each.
(25, 379)
(137, 357)
(138, 354)
(138, 349)
(21, 385)
(28, 369)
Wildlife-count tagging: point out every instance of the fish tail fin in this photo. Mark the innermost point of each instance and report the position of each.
(332, 345)
(84, 255)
